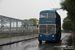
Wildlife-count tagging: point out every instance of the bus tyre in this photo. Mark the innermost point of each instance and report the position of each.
(56, 41)
(40, 42)
(59, 39)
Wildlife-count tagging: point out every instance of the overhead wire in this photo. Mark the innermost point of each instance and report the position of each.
(59, 12)
(57, 6)
(51, 3)
(54, 6)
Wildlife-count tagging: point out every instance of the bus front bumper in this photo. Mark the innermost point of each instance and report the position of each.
(47, 37)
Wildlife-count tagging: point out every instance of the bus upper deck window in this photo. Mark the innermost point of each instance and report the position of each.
(43, 15)
(51, 15)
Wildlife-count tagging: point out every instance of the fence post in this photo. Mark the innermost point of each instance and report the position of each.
(2, 24)
(16, 25)
(26, 27)
(10, 30)
(22, 27)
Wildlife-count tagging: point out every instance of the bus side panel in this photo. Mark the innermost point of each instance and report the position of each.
(58, 26)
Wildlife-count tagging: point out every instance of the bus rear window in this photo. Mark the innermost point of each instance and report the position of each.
(43, 15)
(51, 15)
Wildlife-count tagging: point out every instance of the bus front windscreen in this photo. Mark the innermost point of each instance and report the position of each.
(42, 28)
(51, 29)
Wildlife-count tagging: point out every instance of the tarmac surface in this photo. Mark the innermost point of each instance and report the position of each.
(33, 44)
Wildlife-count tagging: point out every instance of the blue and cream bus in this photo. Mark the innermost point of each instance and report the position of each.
(49, 26)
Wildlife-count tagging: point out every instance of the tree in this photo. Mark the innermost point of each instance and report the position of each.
(69, 5)
(66, 19)
(67, 24)
(26, 19)
(24, 23)
(34, 20)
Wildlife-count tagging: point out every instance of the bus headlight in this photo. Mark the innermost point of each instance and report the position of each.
(40, 35)
(52, 35)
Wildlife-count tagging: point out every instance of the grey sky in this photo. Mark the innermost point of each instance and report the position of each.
(25, 9)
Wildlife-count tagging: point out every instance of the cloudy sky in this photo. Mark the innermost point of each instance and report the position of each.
(25, 9)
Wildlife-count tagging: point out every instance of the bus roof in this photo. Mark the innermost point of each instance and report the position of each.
(48, 11)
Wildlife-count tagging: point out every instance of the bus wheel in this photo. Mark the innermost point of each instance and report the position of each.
(59, 39)
(40, 42)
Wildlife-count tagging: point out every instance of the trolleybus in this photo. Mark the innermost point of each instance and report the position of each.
(49, 26)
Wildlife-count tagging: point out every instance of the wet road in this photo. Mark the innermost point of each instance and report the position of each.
(65, 43)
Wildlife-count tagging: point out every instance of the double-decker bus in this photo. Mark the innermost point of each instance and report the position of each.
(49, 26)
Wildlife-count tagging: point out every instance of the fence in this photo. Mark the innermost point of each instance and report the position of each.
(10, 27)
